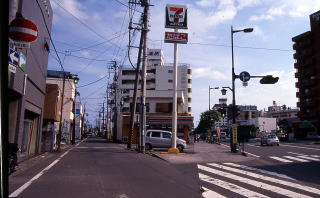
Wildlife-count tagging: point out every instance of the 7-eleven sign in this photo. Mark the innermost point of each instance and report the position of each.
(176, 16)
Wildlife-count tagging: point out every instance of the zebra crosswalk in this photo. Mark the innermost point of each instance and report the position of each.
(229, 179)
(296, 157)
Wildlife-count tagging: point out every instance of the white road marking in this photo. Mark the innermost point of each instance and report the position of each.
(97, 147)
(270, 179)
(314, 155)
(259, 170)
(301, 147)
(17, 192)
(225, 145)
(280, 159)
(210, 194)
(231, 187)
(309, 158)
(296, 159)
(252, 154)
(253, 145)
(254, 183)
(296, 153)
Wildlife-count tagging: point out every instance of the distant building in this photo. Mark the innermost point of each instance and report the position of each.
(307, 65)
(265, 125)
(158, 96)
(247, 112)
(222, 123)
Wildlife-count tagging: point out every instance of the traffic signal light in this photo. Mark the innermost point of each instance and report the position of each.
(269, 79)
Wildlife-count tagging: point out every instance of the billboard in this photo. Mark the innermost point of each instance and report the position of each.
(176, 37)
(155, 54)
(176, 17)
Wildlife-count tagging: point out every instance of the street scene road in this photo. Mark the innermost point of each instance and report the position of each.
(100, 169)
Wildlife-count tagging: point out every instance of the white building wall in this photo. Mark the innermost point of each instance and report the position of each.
(264, 124)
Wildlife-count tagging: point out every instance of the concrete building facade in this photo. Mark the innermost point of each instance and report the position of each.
(158, 96)
(307, 65)
(27, 84)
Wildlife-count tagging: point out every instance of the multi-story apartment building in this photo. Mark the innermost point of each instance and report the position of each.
(307, 65)
(27, 82)
(158, 96)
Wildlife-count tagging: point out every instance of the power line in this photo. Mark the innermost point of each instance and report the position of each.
(93, 81)
(126, 6)
(92, 59)
(84, 24)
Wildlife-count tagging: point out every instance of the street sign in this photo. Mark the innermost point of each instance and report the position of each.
(13, 57)
(22, 61)
(23, 30)
(176, 37)
(235, 133)
(12, 68)
(176, 17)
(244, 76)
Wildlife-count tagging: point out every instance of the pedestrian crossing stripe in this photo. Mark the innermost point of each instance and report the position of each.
(299, 158)
(228, 170)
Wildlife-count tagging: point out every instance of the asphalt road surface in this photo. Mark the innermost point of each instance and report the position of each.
(96, 169)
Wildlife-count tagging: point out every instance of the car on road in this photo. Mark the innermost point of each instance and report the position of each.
(270, 140)
(162, 139)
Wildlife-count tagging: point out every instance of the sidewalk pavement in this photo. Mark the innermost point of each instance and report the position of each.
(202, 152)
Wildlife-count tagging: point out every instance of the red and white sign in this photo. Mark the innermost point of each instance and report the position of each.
(23, 30)
(176, 17)
(176, 37)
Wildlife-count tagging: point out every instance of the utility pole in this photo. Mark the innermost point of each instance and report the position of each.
(59, 136)
(134, 102)
(82, 120)
(145, 4)
(107, 114)
(74, 116)
(103, 117)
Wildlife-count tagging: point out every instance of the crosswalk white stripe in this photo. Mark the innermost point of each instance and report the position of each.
(254, 183)
(296, 159)
(210, 194)
(314, 155)
(231, 187)
(259, 170)
(296, 153)
(309, 158)
(309, 148)
(270, 179)
(280, 159)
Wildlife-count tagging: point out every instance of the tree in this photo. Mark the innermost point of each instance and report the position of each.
(284, 126)
(207, 120)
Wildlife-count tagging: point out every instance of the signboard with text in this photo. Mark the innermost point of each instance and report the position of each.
(176, 37)
(235, 133)
(176, 17)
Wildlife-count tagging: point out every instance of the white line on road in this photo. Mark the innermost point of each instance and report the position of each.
(231, 187)
(209, 193)
(254, 183)
(280, 159)
(296, 153)
(296, 159)
(301, 147)
(17, 192)
(252, 154)
(309, 158)
(259, 170)
(254, 145)
(267, 178)
(225, 145)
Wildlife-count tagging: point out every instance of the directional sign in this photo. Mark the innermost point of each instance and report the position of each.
(244, 76)
(176, 37)
(23, 30)
(13, 57)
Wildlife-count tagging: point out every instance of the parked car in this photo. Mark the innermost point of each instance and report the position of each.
(162, 139)
(270, 140)
(313, 136)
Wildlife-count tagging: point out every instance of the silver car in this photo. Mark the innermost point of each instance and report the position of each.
(162, 139)
(270, 140)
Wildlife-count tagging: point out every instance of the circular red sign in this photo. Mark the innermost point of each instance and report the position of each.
(23, 30)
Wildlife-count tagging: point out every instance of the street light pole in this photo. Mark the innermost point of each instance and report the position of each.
(233, 144)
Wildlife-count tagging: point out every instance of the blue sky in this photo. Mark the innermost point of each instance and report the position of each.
(83, 23)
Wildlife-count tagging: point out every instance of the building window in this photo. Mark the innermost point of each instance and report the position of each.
(170, 71)
(189, 109)
(189, 71)
(163, 107)
(138, 107)
(189, 81)
(170, 81)
(189, 99)
(189, 90)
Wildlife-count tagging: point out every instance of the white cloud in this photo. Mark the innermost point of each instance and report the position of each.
(206, 3)
(246, 3)
(296, 8)
(74, 7)
(208, 73)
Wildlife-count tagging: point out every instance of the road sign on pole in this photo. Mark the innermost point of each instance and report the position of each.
(23, 30)
(244, 76)
(176, 17)
(235, 133)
